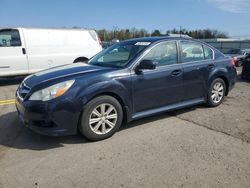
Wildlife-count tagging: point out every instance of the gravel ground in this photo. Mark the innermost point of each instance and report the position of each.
(232, 117)
(194, 147)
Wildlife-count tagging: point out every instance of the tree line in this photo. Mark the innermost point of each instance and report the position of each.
(123, 34)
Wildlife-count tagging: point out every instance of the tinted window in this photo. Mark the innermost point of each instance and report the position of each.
(208, 52)
(164, 53)
(191, 51)
(9, 38)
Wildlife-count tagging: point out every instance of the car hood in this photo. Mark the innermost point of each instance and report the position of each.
(62, 72)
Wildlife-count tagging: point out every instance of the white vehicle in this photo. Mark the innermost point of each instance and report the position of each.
(28, 50)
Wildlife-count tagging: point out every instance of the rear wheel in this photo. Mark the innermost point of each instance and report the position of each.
(238, 63)
(80, 60)
(242, 76)
(216, 92)
(243, 72)
(101, 118)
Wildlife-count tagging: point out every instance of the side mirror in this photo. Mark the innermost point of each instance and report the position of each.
(145, 65)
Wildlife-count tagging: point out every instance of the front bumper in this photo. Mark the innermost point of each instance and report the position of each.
(54, 118)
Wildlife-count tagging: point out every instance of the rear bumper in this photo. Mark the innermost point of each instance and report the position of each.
(54, 118)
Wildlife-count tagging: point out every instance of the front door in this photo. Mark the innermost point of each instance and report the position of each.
(162, 86)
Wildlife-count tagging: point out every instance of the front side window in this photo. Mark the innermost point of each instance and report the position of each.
(119, 54)
(162, 54)
(191, 51)
(9, 38)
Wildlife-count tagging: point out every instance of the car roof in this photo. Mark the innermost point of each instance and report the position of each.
(162, 38)
(44, 28)
(158, 39)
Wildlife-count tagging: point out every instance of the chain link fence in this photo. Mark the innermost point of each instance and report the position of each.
(223, 46)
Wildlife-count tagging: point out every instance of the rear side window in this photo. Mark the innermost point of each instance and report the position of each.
(208, 52)
(9, 38)
(191, 51)
(164, 53)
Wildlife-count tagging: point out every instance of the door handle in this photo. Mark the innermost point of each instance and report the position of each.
(176, 73)
(210, 67)
(24, 51)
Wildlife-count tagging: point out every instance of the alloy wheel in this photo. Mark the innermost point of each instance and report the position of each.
(217, 92)
(103, 119)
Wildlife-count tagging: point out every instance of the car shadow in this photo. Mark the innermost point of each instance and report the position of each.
(14, 135)
(156, 117)
(240, 80)
(11, 80)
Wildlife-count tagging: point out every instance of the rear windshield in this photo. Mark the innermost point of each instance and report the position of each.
(119, 54)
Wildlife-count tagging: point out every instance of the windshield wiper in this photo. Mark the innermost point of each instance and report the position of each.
(98, 64)
(105, 65)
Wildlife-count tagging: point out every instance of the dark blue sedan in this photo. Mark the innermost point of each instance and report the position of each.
(129, 80)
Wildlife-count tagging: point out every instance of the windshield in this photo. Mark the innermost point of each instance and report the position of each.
(118, 55)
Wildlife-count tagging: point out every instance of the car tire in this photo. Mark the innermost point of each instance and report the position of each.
(243, 72)
(238, 63)
(80, 60)
(216, 92)
(101, 118)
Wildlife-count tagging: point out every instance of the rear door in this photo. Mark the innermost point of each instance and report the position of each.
(13, 59)
(197, 62)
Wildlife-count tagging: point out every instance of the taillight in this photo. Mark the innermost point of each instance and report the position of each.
(232, 62)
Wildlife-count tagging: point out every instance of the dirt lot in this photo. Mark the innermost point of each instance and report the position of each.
(194, 147)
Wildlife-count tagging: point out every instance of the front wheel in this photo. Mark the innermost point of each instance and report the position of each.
(216, 92)
(101, 118)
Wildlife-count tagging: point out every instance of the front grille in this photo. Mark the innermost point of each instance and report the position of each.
(23, 90)
(43, 123)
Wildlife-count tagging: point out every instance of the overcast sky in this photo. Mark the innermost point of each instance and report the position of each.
(231, 16)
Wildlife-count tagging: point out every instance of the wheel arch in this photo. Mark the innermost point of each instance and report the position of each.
(226, 82)
(222, 74)
(80, 59)
(124, 106)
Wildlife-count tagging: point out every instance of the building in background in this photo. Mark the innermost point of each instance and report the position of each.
(225, 45)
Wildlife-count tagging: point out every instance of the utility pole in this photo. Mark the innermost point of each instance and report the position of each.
(180, 30)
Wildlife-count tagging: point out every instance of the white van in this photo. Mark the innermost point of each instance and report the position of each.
(28, 50)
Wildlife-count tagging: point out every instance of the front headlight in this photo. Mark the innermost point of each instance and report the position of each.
(52, 91)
